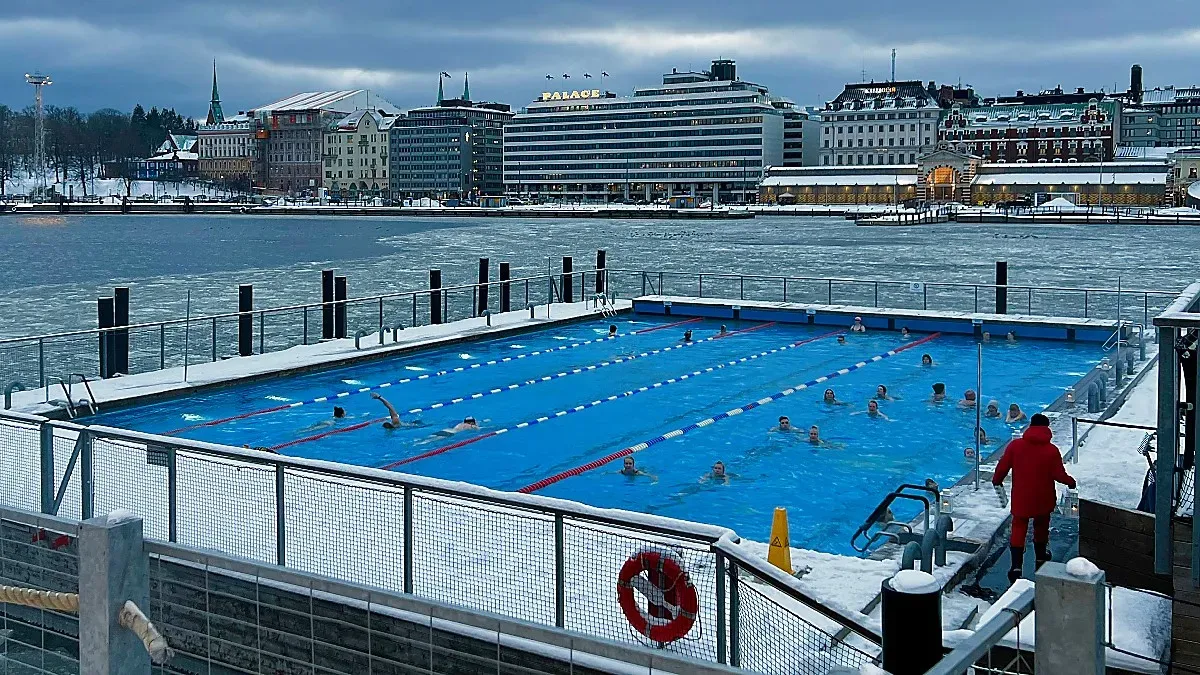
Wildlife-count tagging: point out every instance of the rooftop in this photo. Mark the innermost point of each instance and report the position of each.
(333, 101)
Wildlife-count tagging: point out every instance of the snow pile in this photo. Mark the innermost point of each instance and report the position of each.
(1082, 567)
(915, 582)
(118, 516)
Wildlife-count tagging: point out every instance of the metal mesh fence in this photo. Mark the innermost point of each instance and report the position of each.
(65, 441)
(776, 638)
(224, 504)
(483, 556)
(36, 640)
(366, 522)
(19, 464)
(130, 477)
(593, 556)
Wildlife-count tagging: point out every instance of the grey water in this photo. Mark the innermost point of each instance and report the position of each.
(53, 268)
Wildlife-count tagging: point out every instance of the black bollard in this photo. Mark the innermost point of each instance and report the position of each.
(1001, 287)
(435, 296)
(327, 304)
(601, 269)
(105, 317)
(339, 308)
(120, 338)
(911, 615)
(481, 291)
(245, 320)
(505, 291)
(568, 267)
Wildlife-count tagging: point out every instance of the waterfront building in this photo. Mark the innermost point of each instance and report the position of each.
(801, 131)
(882, 123)
(453, 149)
(225, 145)
(356, 154)
(1060, 130)
(699, 133)
(1184, 174)
(1160, 117)
(290, 136)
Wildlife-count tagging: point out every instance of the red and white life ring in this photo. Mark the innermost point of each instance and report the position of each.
(670, 596)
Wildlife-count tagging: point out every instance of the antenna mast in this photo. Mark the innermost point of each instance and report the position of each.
(893, 65)
(39, 131)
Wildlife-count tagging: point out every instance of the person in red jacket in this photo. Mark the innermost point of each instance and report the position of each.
(1036, 465)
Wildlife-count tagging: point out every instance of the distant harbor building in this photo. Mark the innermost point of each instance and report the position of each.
(1035, 132)
(225, 145)
(356, 154)
(1160, 117)
(453, 149)
(801, 133)
(707, 134)
(885, 123)
(1184, 175)
(290, 136)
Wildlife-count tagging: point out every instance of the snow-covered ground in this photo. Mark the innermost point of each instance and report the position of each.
(1109, 469)
(107, 187)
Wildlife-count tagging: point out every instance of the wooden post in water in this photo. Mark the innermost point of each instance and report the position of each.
(105, 317)
(245, 320)
(601, 270)
(567, 268)
(481, 291)
(120, 338)
(1001, 287)
(339, 308)
(326, 304)
(505, 291)
(435, 296)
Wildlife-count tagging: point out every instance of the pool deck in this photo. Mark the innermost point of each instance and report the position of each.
(147, 387)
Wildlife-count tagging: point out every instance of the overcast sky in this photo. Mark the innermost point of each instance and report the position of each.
(117, 53)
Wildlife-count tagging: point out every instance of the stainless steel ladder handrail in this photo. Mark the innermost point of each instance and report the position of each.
(91, 399)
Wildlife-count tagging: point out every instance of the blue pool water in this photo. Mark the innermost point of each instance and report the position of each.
(828, 490)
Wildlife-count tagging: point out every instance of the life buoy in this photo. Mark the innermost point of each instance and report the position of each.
(670, 595)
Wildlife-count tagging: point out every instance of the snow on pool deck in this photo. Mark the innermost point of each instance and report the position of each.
(1109, 469)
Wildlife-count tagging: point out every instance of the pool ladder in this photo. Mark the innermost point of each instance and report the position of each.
(867, 537)
(603, 303)
(68, 388)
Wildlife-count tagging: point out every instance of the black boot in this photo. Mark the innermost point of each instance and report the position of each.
(1017, 553)
(1041, 553)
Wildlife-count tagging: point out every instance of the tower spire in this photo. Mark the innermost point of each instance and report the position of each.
(440, 95)
(466, 88)
(215, 115)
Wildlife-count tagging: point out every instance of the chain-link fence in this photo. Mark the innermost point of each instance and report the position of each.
(534, 559)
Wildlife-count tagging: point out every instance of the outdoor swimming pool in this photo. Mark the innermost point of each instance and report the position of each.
(631, 389)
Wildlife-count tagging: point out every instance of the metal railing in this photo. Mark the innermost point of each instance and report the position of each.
(542, 560)
(979, 654)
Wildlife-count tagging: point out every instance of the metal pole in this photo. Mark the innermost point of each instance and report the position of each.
(1074, 440)
(1117, 353)
(162, 346)
(262, 332)
(722, 657)
(47, 482)
(42, 362)
(978, 405)
(1085, 304)
(214, 339)
(735, 629)
(560, 579)
(87, 492)
(829, 293)
(172, 495)
(381, 321)
(1168, 446)
(280, 517)
(187, 333)
(408, 539)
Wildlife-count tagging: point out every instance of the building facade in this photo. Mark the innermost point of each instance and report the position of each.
(450, 150)
(1033, 132)
(1166, 117)
(290, 135)
(226, 150)
(699, 133)
(881, 123)
(356, 154)
(801, 130)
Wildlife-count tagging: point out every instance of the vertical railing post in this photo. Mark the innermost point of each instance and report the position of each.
(643, 283)
(47, 481)
(1029, 302)
(381, 321)
(560, 579)
(876, 293)
(1168, 447)
(1071, 616)
(214, 339)
(661, 289)
(280, 516)
(735, 629)
(87, 489)
(785, 289)
(408, 539)
(172, 495)
(413, 298)
(162, 346)
(262, 332)
(924, 296)
(1085, 304)
(1074, 440)
(722, 656)
(306, 325)
(742, 287)
(1146, 309)
(702, 284)
(977, 298)
(829, 292)
(42, 362)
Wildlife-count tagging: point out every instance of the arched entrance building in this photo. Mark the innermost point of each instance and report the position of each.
(945, 175)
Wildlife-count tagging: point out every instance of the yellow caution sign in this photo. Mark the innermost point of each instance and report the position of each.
(780, 553)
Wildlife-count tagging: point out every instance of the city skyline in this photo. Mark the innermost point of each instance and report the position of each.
(125, 52)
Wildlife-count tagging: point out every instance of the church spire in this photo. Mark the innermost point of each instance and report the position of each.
(440, 95)
(466, 88)
(215, 115)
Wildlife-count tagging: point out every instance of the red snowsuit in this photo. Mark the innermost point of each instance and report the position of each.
(1036, 465)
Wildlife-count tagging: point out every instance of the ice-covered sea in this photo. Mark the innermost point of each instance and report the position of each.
(52, 268)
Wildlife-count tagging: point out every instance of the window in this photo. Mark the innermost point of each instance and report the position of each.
(891, 127)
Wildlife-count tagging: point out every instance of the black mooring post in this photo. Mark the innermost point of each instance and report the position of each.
(327, 304)
(505, 291)
(1001, 287)
(339, 307)
(568, 267)
(481, 291)
(245, 320)
(911, 615)
(105, 316)
(120, 339)
(601, 269)
(435, 296)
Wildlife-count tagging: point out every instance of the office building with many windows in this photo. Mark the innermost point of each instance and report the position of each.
(700, 133)
(356, 154)
(878, 123)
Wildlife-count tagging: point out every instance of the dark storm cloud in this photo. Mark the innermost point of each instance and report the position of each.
(114, 54)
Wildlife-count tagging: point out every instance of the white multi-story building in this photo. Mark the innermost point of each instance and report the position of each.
(879, 123)
(700, 133)
(356, 153)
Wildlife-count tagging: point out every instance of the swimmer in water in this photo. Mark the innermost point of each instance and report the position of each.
(873, 411)
(904, 334)
(993, 409)
(987, 337)
(939, 392)
(926, 360)
(1011, 337)
(785, 424)
(1015, 414)
(260, 448)
(841, 339)
(881, 394)
(612, 330)
(393, 421)
(857, 326)
(723, 330)
(968, 400)
(718, 474)
(814, 438)
(687, 335)
(983, 437)
(629, 469)
(831, 399)
(338, 413)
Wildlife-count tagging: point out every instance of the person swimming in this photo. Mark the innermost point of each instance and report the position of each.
(1011, 337)
(904, 334)
(785, 424)
(881, 393)
(982, 436)
(873, 411)
(629, 468)
(723, 330)
(831, 399)
(718, 473)
(393, 421)
(841, 339)
(814, 438)
(1015, 414)
(968, 399)
(939, 392)
(687, 335)
(926, 360)
(612, 330)
(857, 326)
(993, 409)
(338, 413)
(987, 337)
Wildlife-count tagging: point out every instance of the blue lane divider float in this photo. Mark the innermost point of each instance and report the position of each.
(614, 397)
(332, 397)
(595, 464)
